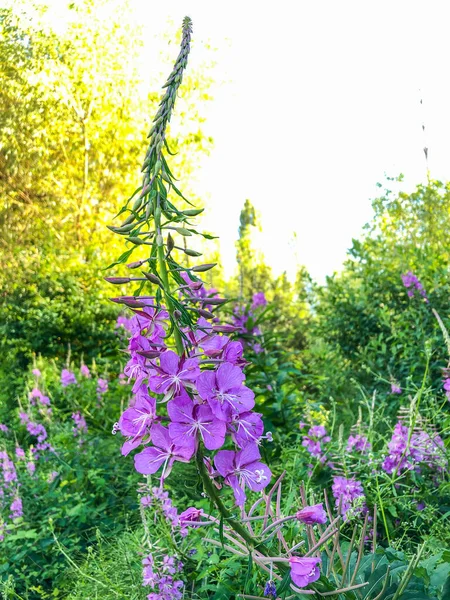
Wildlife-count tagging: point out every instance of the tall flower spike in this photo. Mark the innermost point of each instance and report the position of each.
(143, 226)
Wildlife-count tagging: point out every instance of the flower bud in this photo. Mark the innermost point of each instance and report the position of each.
(225, 328)
(153, 278)
(193, 253)
(192, 212)
(149, 353)
(312, 514)
(183, 231)
(203, 268)
(205, 313)
(135, 240)
(136, 264)
(117, 280)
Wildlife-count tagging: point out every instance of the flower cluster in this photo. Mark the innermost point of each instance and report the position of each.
(345, 492)
(413, 285)
(80, 426)
(407, 452)
(317, 435)
(244, 319)
(10, 501)
(358, 443)
(162, 578)
(68, 378)
(158, 498)
(207, 402)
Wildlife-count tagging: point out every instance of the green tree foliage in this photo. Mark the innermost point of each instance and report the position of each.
(74, 95)
(365, 312)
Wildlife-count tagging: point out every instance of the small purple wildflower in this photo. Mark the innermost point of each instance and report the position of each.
(358, 443)
(36, 372)
(395, 388)
(84, 370)
(345, 492)
(270, 589)
(304, 570)
(310, 515)
(67, 378)
(411, 282)
(102, 386)
(3, 428)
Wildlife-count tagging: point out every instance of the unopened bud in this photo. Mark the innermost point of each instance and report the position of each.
(136, 264)
(117, 280)
(205, 313)
(203, 268)
(192, 212)
(183, 231)
(153, 278)
(177, 314)
(170, 243)
(135, 240)
(193, 253)
(215, 301)
(149, 353)
(225, 328)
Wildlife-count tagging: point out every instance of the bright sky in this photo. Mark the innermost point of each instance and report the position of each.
(316, 102)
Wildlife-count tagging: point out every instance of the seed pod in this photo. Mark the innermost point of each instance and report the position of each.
(192, 212)
(153, 278)
(117, 280)
(203, 268)
(191, 252)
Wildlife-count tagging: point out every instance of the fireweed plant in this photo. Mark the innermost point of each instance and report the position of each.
(190, 400)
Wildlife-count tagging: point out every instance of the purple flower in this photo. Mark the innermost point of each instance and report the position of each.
(313, 441)
(3, 428)
(16, 509)
(84, 370)
(67, 378)
(420, 505)
(135, 421)
(411, 282)
(246, 428)
(270, 589)
(20, 453)
(190, 516)
(188, 421)
(395, 388)
(312, 514)
(37, 430)
(80, 424)
(259, 299)
(224, 392)
(359, 443)
(36, 372)
(304, 570)
(173, 374)
(163, 452)
(102, 386)
(242, 469)
(345, 492)
(52, 476)
(31, 467)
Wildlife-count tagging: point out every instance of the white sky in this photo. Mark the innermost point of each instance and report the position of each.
(316, 102)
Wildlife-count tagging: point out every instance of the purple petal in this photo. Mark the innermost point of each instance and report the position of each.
(239, 493)
(211, 429)
(149, 460)
(224, 462)
(180, 409)
(228, 376)
(169, 362)
(160, 437)
(182, 434)
(206, 383)
(246, 456)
